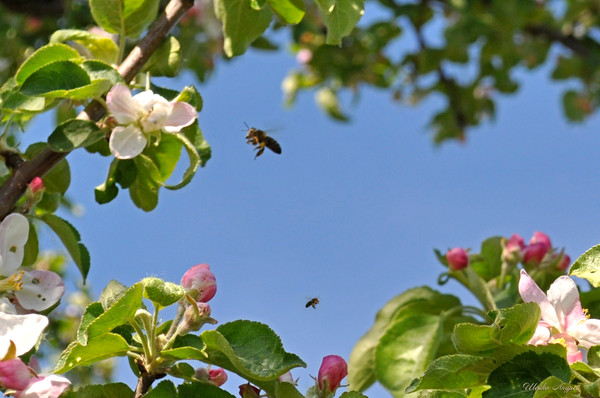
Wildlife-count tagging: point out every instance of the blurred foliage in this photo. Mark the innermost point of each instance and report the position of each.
(463, 52)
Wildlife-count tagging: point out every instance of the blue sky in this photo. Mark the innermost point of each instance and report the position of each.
(348, 212)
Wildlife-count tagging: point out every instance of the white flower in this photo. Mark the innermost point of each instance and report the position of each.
(14, 232)
(142, 116)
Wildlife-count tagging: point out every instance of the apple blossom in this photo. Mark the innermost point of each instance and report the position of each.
(534, 253)
(512, 251)
(49, 386)
(200, 282)
(40, 290)
(141, 116)
(458, 258)
(563, 320)
(333, 369)
(14, 374)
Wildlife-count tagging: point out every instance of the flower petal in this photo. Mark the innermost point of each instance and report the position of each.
(14, 232)
(122, 106)
(587, 333)
(182, 115)
(564, 296)
(541, 334)
(127, 142)
(531, 293)
(40, 290)
(51, 386)
(23, 330)
(14, 374)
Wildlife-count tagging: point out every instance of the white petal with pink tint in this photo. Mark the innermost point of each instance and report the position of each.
(23, 330)
(182, 115)
(40, 290)
(51, 386)
(122, 105)
(127, 142)
(14, 232)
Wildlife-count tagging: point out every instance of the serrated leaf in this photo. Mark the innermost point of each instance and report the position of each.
(587, 266)
(250, 349)
(165, 60)
(99, 47)
(202, 390)
(44, 56)
(340, 17)
(119, 313)
(362, 359)
(162, 293)
(124, 17)
(405, 350)
(241, 24)
(74, 134)
(70, 238)
(291, 11)
(112, 390)
(101, 347)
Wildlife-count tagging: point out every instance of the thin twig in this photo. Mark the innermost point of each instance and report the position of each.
(17, 183)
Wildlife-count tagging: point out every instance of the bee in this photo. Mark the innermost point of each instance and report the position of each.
(260, 140)
(312, 303)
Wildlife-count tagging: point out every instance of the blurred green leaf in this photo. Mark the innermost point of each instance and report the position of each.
(74, 134)
(45, 56)
(340, 17)
(165, 60)
(291, 11)
(98, 47)
(126, 17)
(587, 266)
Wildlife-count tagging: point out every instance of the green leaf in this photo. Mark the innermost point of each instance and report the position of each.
(195, 136)
(577, 105)
(58, 178)
(144, 190)
(340, 17)
(202, 390)
(405, 350)
(553, 387)
(191, 95)
(108, 190)
(92, 311)
(587, 266)
(454, 372)
(165, 60)
(101, 347)
(511, 325)
(32, 248)
(55, 79)
(250, 349)
(414, 301)
(71, 239)
(194, 157)
(164, 389)
(44, 56)
(112, 390)
(291, 11)
(352, 394)
(491, 258)
(531, 369)
(119, 313)
(73, 134)
(124, 17)
(241, 24)
(102, 73)
(111, 294)
(99, 47)
(161, 292)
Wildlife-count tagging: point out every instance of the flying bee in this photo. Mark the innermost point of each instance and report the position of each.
(260, 140)
(312, 303)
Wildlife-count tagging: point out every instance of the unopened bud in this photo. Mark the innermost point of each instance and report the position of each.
(36, 185)
(196, 315)
(333, 369)
(249, 391)
(511, 253)
(457, 258)
(200, 282)
(534, 253)
(217, 376)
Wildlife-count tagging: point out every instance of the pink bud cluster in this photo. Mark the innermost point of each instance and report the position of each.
(201, 286)
(538, 250)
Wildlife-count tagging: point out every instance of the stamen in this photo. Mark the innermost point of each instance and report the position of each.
(16, 281)
(560, 341)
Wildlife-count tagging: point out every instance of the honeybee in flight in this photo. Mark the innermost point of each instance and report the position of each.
(260, 140)
(312, 303)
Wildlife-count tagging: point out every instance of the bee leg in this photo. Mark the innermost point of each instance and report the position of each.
(260, 152)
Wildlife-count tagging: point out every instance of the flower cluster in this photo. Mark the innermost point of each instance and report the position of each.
(21, 293)
(563, 320)
(142, 116)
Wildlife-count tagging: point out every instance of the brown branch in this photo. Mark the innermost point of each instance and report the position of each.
(17, 183)
(585, 47)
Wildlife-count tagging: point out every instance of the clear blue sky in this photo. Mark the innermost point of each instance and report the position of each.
(348, 212)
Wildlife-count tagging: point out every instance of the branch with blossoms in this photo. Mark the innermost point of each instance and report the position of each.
(521, 340)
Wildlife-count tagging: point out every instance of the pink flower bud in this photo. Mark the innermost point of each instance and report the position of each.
(540, 237)
(534, 253)
(512, 251)
(201, 281)
(14, 374)
(458, 258)
(564, 263)
(217, 376)
(36, 184)
(249, 391)
(333, 369)
(195, 316)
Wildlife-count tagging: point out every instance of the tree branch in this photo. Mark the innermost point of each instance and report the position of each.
(17, 183)
(585, 47)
